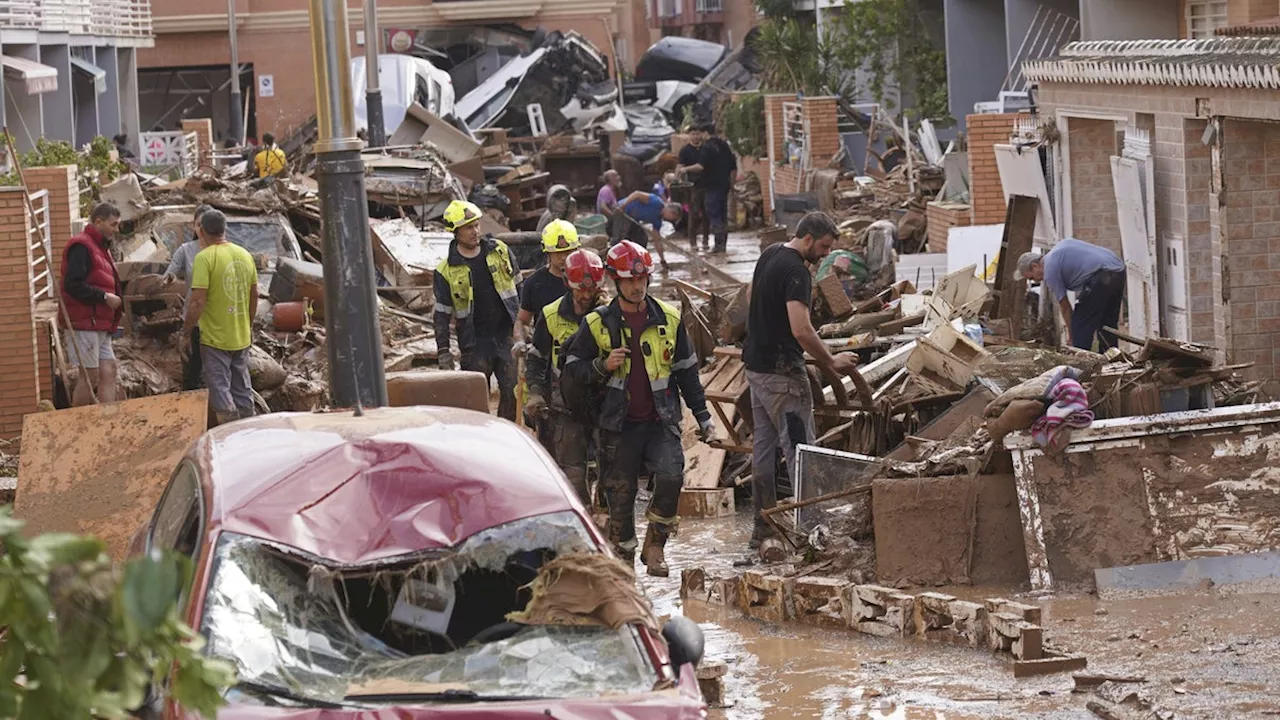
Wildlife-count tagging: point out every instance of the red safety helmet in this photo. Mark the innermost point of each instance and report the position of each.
(583, 269)
(627, 260)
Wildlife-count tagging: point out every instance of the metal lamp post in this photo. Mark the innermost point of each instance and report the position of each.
(237, 123)
(351, 303)
(373, 91)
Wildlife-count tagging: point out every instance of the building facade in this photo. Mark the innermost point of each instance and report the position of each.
(186, 74)
(987, 40)
(70, 68)
(720, 21)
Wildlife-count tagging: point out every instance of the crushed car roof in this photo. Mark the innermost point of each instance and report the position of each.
(391, 482)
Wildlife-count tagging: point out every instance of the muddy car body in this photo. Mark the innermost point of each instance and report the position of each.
(363, 567)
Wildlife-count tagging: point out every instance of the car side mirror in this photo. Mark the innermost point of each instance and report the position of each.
(685, 642)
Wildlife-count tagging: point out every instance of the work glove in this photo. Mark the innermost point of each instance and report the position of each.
(706, 429)
(520, 348)
(446, 361)
(535, 406)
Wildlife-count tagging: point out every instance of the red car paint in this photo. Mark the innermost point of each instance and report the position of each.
(391, 482)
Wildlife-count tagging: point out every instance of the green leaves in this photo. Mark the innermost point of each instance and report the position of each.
(89, 639)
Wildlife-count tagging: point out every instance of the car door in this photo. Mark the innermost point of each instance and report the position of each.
(179, 520)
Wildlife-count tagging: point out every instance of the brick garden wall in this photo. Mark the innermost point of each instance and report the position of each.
(19, 374)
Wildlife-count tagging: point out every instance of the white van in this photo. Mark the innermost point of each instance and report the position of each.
(404, 80)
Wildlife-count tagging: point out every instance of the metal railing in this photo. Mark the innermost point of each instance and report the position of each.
(41, 243)
(709, 6)
(114, 18)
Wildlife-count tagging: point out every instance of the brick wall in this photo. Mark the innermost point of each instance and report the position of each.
(19, 377)
(203, 129)
(759, 166)
(986, 192)
(1240, 12)
(1251, 234)
(941, 218)
(823, 130)
(64, 204)
(1093, 199)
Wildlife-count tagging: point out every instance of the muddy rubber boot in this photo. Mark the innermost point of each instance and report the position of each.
(722, 244)
(626, 552)
(654, 557)
(758, 535)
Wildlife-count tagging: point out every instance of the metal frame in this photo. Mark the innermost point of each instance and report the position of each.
(40, 240)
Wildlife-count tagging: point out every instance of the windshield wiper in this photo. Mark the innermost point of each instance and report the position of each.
(445, 696)
(276, 691)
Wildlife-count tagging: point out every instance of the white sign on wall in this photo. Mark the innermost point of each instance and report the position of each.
(266, 86)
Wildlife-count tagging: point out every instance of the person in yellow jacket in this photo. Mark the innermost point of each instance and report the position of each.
(564, 435)
(476, 293)
(632, 363)
(270, 160)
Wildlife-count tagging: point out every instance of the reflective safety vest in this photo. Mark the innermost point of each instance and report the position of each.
(657, 344)
(560, 328)
(462, 292)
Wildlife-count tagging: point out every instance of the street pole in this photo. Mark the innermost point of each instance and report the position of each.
(354, 342)
(373, 92)
(237, 123)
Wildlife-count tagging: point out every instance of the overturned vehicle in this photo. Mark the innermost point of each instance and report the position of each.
(391, 563)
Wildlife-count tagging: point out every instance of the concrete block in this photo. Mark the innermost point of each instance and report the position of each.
(446, 388)
(969, 621)
(706, 503)
(1007, 632)
(693, 583)
(1030, 613)
(873, 603)
(764, 597)
(818, 601)
(711, 674)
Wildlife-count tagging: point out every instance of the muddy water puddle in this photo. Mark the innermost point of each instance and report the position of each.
(1208, 655)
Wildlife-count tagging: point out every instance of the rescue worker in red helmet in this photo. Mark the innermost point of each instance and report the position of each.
(564, 435)
(635, 354)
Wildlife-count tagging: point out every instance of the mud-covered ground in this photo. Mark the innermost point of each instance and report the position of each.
(1205, 655)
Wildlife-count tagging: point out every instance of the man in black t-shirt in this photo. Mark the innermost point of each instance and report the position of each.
(690, 157)
(719, 171)
(779, 332)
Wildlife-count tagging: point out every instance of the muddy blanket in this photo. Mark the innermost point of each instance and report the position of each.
(586, 589)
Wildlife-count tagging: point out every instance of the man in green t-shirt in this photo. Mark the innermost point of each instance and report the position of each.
(224, 301)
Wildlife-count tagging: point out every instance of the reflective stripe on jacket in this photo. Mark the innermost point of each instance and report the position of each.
(455, 294)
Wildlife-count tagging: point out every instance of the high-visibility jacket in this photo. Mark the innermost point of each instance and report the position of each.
(455, 293)
(552, 328)
(270, 161)
(102, 276)
(668, 360)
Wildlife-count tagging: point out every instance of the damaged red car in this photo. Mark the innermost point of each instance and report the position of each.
(396, 564)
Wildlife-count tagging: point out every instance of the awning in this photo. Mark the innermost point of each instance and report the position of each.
(98, 75)
(38, 78)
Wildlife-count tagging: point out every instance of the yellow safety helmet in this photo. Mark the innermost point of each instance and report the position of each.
(460, 213)
(560, 236)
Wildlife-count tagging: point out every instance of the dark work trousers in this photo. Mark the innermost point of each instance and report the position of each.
(501, 364)
(1098, 306)
(640, 446)
(697, 215)
(191, 368)
(717, 206)
(782, 416)
(569, 447)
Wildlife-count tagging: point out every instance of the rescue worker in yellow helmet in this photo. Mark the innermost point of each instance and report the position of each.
(476, 292)
(633, 361)
(545, 285)
(565, 436)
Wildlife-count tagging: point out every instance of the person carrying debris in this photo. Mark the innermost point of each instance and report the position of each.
(634, 356)
(476, 286)
(1094, 273)
(779, 331)
(690, 168)
(561, 205)
(180, 267)
(224, 302)
(270, 160)
(641, 209)
(91, 294)
(566, 437)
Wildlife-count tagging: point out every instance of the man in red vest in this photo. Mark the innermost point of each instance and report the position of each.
(91, 294)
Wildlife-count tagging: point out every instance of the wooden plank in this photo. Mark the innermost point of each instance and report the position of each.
(1019, 236)
(706, 503)
(1046, 666)
(100, 469)
(702, 467)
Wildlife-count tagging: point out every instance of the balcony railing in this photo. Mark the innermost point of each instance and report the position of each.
(112, 18)
(709, 6)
